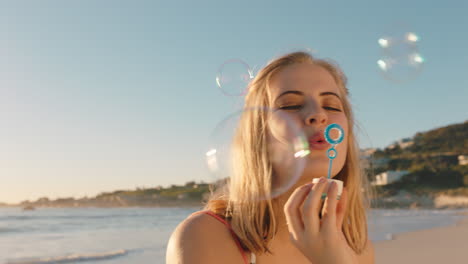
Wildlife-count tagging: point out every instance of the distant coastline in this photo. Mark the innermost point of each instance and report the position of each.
(196, 194)
(189, 195)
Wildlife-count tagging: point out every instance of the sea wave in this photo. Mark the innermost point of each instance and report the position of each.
(71, 258)
(9, 230)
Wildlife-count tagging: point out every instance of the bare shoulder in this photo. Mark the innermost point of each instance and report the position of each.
(367, 256)
(202, 239)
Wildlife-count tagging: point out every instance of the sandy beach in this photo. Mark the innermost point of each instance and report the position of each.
(432, 246)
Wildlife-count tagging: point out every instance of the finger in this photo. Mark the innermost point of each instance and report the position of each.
(329, 216)
(341, 208)
(292, 211)
(311, 206)
(322, 202)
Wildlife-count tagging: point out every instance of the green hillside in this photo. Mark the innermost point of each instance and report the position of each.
(432, 159)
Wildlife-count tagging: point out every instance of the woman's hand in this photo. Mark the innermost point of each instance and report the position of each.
(320, 240)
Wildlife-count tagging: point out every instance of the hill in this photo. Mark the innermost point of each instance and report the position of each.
(433, 160)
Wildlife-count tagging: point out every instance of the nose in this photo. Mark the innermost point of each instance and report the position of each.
(316, 116)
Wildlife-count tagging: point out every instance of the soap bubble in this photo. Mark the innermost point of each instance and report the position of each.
(400, 60)
(233, 77)
(255, 140)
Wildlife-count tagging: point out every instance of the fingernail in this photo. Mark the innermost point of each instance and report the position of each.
(322, 180)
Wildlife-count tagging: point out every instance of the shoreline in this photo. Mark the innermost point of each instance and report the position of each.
(389, 206)
(428, 246)
(403, 200)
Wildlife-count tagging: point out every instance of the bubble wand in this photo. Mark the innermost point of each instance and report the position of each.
(332, 153)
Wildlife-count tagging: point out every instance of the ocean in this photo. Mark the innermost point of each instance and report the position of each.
(139, 235)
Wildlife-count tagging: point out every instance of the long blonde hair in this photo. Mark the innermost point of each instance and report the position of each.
(255, 221)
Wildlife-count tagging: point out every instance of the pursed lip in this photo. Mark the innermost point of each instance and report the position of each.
(319, 146)
(317, 141)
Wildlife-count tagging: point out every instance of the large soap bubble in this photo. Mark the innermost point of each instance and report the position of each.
(264, 147)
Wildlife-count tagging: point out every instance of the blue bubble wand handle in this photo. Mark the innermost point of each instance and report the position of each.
(329, 168)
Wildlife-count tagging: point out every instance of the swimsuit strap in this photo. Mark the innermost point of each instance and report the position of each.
(236, 238)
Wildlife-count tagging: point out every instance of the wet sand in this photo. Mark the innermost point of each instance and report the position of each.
(432, 246)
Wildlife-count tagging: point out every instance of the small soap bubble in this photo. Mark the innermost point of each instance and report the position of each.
(233, 77)
(400, 59)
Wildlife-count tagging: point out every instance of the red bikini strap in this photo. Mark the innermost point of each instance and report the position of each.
(236, 238)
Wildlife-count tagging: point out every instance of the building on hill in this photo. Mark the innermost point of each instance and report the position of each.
(403, 143)
(368, 152)
(368, 161)
(387, 177)
(462, 159)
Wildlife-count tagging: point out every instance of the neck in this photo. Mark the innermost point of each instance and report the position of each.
(283, 232)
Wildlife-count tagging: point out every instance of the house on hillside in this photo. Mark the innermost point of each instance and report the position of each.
(403, 143)
(370, 162)
(387, 177)
(462, 159)
(368, 152)
(365, 157)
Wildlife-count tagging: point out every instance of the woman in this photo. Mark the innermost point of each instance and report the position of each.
(294, 227)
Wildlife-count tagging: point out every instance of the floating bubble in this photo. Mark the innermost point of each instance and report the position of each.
(261, 148)
(400, 60)
(233, 77)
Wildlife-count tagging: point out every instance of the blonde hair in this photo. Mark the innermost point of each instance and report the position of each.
(255, 221)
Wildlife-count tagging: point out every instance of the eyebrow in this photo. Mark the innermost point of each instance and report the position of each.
(301, 93)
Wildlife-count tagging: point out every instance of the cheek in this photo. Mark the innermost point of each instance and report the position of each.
(342, 148)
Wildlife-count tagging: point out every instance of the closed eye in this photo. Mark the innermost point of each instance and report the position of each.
(299, 107)
(291, 107)
(332, 108)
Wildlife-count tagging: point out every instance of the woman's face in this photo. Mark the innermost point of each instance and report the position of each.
(310, 96)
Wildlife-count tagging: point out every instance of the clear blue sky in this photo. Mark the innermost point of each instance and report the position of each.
(103, 95)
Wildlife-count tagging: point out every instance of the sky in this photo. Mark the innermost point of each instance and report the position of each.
(97, 96)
